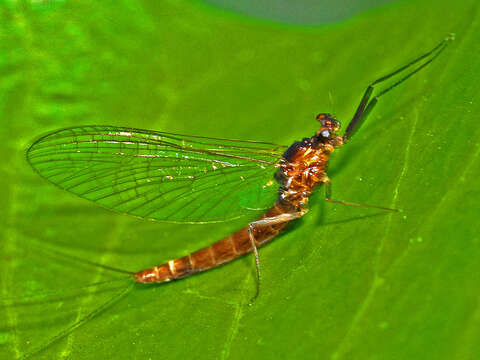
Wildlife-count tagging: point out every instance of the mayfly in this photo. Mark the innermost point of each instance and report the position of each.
(194, 179)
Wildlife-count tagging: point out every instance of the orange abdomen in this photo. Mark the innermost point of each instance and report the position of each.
(219, 253)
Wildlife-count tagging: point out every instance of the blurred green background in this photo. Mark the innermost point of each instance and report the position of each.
(343, 283)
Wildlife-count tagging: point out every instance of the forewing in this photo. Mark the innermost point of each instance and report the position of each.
(160, 176)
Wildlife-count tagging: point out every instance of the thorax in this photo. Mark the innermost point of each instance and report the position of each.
(302, 167)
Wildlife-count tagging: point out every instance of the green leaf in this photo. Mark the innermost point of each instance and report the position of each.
(343, 282)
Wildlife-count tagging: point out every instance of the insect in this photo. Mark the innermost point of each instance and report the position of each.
(194, 179)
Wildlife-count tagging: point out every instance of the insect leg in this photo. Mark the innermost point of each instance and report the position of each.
(366, 105)
(328, 192)
(282, 218)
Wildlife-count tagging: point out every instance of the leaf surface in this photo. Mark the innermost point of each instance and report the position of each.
(343, 282)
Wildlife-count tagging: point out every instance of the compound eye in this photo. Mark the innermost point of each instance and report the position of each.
(325, 133)
(324, 118)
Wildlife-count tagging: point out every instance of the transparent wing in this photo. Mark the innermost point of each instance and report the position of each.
(158, 175)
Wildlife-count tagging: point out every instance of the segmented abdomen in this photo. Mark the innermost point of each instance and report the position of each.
(219, 253)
